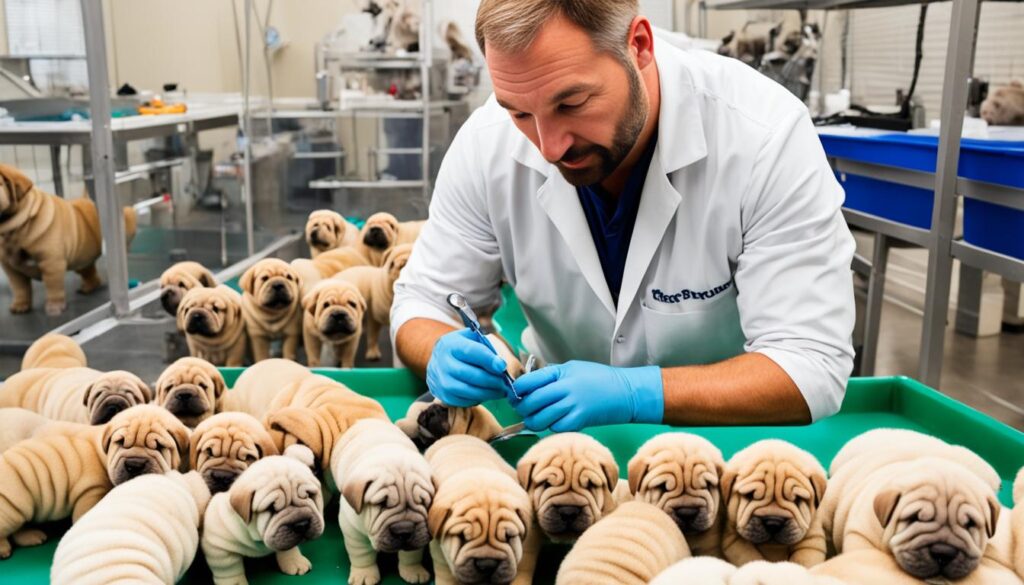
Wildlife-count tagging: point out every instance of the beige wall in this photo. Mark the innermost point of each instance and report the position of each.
(3, 29)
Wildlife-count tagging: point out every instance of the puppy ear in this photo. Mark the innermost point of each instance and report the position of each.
(310, 301)
(301, 423)
(526, 516)
(354, 491)
(241, 502)
(728, 478)
(524, 469)
(108, 432)
(636, 471)
(611, 473)
(145, 390)
(264, 444)
(180, 433)
(339, 226)
(207, 280)
(87, 395)
(992, 518)
(219, 386)
(386, 259)
(437, 516)
(18, 181)
(248, 280)
(885, 505)
(819, 483)
(193, 450)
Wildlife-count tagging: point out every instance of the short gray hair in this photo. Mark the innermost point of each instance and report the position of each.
(512, 25)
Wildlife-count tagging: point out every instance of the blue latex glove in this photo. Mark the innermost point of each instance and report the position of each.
(575, 395)
(463, 372)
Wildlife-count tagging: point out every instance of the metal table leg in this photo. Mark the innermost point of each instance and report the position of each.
(968, 306)
(873, 309)
(58, 177)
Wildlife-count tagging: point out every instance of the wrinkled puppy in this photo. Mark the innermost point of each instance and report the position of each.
(383, 231)
(192, 389)
(145, 531)
(54, 350)
(696, 571)
(771, 492)
(377, 285)
(427, 421)
(327, 230)
(783, 573)
(327, 265)
(67, 471)
(333, 313)
(213, 324)
(933, 516)
(18, 424)
(80, 395)
(387, 490)
(480, 519)
(680, 473)
(570, 478)
(225, 445)
(272, 508)
(630, 546)
(181, 278)
(259, 385)
(271, 307)
(1005, 105)
(42, 236)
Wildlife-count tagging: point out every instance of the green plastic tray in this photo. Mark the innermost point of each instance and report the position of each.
(870, 403)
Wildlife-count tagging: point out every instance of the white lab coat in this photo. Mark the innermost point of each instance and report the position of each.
(739, 244)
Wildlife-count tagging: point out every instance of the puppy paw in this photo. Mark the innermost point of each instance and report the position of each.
(413, 573)
(55, 308)
(19, 307)
(88, 287)
(365, 575)
(295, 564)
(29, 537)
(373, 355)
(5, 548)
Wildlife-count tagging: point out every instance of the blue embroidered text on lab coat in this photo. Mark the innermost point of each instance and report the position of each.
(687, 294)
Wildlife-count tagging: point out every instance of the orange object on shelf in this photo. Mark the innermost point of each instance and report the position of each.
(156, 106)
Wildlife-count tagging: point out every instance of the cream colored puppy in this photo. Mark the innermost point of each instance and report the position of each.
(214, 326)
(272, 307)
(427, 421)
(570, 478)
(192, 389)
(327, 265)
(225, 445)
(181, 278)
(327, 230)
(681, 473)
(383, 232)
(144, 531)
(272, 508)
(630, 546)
(874, 567)
(259, 384)
(1017, 525)
(772, 491)
(80, 395)
(480, 518)
(387, 490)
(377, 285)
(18, 424)
(696, 571)
(54, 350)
(333, 314)
(784, 573)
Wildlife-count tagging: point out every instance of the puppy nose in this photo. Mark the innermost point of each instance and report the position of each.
(222, 477)
(182, 397)
(485, 566)
(278, 286)
(942, 554)
(299, 526)
(568, 513)
(134, 465)
(773, 524)
(684, 515)
(402, 530)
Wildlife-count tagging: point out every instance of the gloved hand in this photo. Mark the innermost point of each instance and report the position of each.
(575, 395)
(463, 372)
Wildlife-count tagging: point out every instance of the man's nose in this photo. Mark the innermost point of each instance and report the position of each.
(553, 140)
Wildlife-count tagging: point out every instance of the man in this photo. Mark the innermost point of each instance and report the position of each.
(668, 220)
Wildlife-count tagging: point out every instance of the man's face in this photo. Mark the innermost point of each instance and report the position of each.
(582, 108)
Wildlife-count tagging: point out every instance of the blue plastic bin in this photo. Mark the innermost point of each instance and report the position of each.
(909, 205)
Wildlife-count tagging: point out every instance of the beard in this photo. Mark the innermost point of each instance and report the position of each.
(627, 131)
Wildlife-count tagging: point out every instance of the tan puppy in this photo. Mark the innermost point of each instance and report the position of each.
(213, 324)
(333, 313)
(145, 531)
(387, 490)
(772, 491)
(327, 230)
(66, 472)
(377, 285)
(42, 236)
(933, 516)
(784, 573)
(18, 424)
(259, 384)
(480, 519)
(680, 473)
(192, 389)
(225, 445)
(327, 265)
(383, 232)
(630, 546)
(272, 508)
(570, 478)
(271, 307)
(1017, 525)
(426, 422)
(1005, 105)
(54, 350)
(181, 278)
(874, 567)
(80, 395)
(696, 571)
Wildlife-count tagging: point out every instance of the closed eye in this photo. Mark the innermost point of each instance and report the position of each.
(571, 107)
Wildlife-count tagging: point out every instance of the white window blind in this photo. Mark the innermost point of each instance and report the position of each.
(50, 33)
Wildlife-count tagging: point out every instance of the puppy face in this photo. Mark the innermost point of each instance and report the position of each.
(143, 439)
(272, 284)
(772, 490)
(207, 312)
(191, 389)
(480, 519)
(337, 309)
(570, 478)
(937, 518)
(1005, 106)
(225, 445)
(280, 498)
(380, 231)
(395, 260)
(393, 495)
(325, 230)
(13, 187)
(178, 280)
(679, 473)
(113, 392)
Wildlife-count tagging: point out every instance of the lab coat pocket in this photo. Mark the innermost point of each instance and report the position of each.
(706, 335)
